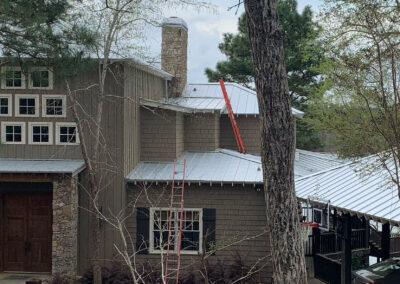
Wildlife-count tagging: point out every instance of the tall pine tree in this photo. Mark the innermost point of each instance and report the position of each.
(303, 56)
(45, 31)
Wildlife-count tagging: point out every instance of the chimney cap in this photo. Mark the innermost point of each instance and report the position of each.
(174, 22)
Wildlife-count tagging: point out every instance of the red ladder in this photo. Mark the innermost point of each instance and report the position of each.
(172, 260)
(231, 115)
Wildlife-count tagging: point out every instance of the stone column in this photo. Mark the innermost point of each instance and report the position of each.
(65, 226)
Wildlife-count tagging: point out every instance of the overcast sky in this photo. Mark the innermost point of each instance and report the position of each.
(205, 33)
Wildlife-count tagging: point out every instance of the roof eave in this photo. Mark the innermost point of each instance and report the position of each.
(146, 67)
(177, 108)
(352, 213)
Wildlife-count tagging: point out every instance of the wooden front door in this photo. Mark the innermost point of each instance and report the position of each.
(27, 220)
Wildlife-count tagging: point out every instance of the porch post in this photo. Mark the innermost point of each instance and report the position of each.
(346, 249)
(385, 241)
(65, 227)
(366, 227)
(317, 241)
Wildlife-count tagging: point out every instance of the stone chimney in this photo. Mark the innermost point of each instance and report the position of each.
(174, 54)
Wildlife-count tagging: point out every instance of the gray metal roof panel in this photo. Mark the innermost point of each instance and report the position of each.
(209, 98)
(222, 165)
(243, 100)
(41, 166)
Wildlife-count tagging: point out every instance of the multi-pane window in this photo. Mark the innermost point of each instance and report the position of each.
(26, 105)
(191, 230)
(13, 78)
(5, 105)
(67, 133)
(13, 132)
(40, 79)
(40, 133)
(54, 105)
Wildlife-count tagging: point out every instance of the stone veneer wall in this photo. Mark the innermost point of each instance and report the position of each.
(174, 57)
(65, 226)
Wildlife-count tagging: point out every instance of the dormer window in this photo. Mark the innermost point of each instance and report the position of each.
(40, 78)
(54, 106)
(12, 78)
(27, 105)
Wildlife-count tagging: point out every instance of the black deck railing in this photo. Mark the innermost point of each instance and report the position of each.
(330, 242)
(359, 239)
(327, 268)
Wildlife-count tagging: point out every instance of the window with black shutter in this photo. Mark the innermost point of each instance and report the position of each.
(191, 230)
(209, 227)
(142, 230)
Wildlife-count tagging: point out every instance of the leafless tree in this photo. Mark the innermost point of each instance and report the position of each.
(120, 26)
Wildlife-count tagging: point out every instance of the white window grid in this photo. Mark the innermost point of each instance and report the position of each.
(159, 224)
(26, 99)
(13, 69)
(60, 126)
(5, 104)
(42, 133)
(9, 129)
(49, 104)
(39, 69)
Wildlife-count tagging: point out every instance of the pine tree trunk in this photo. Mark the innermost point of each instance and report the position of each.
(277, 140)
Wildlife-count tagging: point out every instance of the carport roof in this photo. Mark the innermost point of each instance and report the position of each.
(362, 188)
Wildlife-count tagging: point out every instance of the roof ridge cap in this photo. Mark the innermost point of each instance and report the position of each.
(310, 153)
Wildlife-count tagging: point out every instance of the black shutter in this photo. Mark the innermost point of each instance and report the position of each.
(209, 216)
(142, 230)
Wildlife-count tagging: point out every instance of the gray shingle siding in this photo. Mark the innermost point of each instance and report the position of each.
(202, 132)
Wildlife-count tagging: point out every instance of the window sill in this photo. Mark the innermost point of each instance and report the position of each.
(41, 88)
(13, 88)
(13, 143)
(27, 115)
(182, 252)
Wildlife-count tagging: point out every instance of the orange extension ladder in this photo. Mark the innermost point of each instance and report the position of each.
(231, 115)
(173, 261)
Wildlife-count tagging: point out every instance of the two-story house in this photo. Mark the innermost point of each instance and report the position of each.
(152, 117)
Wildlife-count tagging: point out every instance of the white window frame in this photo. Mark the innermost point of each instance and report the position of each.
(13, 123)
(30, 133)
(10, 103)
(3, 79)
(44, 105)
(67, 124)
(27, 96)
(30, 84)
(151, 230)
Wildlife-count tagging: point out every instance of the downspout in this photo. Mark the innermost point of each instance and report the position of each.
(166, 89)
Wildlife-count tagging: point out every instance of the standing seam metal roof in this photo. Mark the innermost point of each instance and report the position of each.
(224, 166)
(243, 100)
(41, 166)
(209, 98)
(349, 188)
